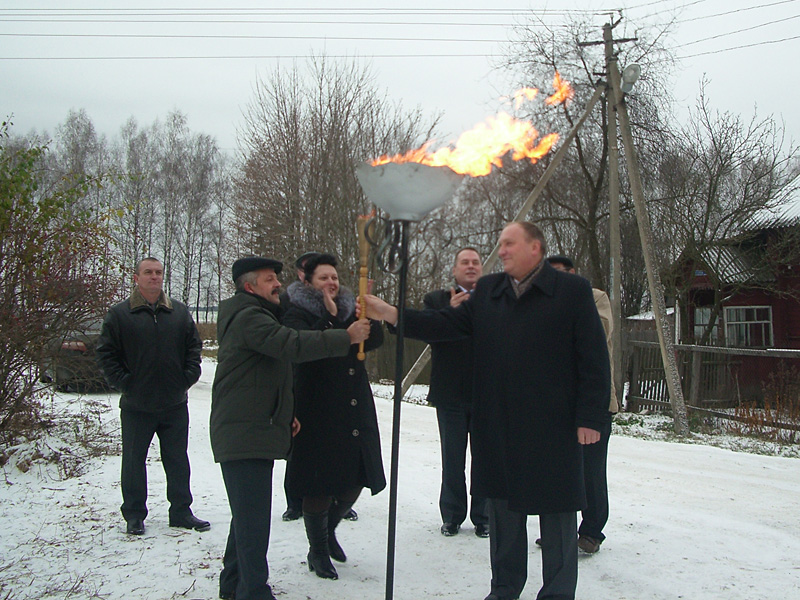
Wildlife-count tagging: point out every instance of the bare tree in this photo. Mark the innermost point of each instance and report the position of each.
(305, 130)
(574, 207)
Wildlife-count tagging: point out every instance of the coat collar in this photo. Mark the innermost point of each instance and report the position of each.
(273, 308)
(138, 301)
(310, 299)
(545, 281)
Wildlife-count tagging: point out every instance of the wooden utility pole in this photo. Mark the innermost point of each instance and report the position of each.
(615, 279)
(665, 337)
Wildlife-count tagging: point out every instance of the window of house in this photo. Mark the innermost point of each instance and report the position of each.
(748, 326)
(702, 315)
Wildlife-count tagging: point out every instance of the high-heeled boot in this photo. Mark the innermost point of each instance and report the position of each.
(319, 558)
(335, 515)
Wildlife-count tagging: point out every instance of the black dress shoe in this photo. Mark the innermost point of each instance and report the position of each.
(135, 527)
(227, 596)
(190, 522)
(449, 529)
(482, 530)
(291, 514)
(350, 515)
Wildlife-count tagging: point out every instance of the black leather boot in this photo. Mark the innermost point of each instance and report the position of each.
(319, 558)
(337, 512)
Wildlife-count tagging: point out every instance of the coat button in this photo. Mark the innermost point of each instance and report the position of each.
(351, 371)
(355, 432)
(353, 402)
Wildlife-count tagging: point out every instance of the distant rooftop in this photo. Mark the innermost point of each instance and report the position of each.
(785, 215)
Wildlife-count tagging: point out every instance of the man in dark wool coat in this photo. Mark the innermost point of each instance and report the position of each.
(540, 391)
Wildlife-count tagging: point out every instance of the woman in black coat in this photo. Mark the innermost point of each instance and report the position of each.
(337, 451)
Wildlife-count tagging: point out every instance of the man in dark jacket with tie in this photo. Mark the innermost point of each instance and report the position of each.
(451, 394)
(540, 389)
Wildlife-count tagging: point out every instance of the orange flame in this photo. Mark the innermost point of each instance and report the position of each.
(477, 150)
(484, 146)
(524, 95)
(563, 90)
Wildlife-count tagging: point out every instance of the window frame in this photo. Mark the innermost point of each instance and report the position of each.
(741, 336)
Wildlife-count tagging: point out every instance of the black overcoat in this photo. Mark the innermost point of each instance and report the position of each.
(451, 374)
(338, 446)
(541, 369)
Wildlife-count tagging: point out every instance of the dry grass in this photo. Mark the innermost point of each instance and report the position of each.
(208, 331)
(780, 407)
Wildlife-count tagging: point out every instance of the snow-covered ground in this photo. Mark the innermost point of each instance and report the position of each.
(687, 521)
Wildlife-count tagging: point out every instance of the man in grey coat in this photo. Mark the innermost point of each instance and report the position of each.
(252, 412)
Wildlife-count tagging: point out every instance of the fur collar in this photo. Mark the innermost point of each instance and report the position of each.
(138, 301)
(310, 299)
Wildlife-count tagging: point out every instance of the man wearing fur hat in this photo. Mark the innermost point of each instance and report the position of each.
(252, 412)
(149, 350)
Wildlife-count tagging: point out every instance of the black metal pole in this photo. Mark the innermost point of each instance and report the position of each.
(398, 397)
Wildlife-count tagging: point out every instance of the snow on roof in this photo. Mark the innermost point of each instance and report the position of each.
(649, 315)
(785, 215)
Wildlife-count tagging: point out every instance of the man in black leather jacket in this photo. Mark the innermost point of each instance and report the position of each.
(149, 349)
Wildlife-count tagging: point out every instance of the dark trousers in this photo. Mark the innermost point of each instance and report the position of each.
(244, 566)
(291, 501)
(454, 426)
(138, 429)
(595, 457)
(508, 552)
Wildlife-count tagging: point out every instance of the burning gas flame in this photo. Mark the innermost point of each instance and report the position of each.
(563, 90)
(478, 149)
(484, 146)
(524, 95)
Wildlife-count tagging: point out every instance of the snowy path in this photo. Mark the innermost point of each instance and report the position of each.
(688, 521)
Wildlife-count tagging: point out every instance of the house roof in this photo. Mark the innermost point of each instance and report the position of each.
(732, 264)
(784, 215)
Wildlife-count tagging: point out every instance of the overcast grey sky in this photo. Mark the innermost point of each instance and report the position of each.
(143, 59)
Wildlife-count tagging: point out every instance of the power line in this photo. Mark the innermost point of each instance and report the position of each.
(306, 22)
(248, 37)
(753, 45)
(288, 11)
(736, 10)
(243, 57)
(720, 35)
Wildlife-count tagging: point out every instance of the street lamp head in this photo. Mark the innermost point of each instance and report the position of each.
(629, 77)
(407, 191)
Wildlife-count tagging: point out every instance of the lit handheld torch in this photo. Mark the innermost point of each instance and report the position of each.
(363, 247)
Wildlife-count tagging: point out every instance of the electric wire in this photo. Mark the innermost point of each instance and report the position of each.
(249, 37)
(371, 38)
(746, 29)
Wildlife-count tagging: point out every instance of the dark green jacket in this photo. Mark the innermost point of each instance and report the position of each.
(252, 405)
